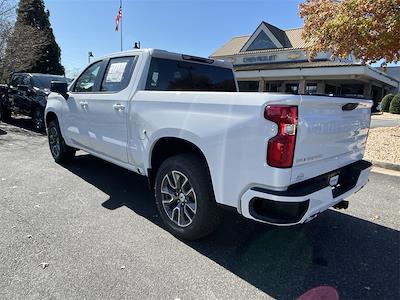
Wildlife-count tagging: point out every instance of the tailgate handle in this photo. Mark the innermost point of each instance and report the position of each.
(349, 106)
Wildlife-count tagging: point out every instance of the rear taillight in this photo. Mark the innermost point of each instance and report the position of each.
(280, 151)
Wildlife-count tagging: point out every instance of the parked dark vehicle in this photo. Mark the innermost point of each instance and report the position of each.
(27, 94)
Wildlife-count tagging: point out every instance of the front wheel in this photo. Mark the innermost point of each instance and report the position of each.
(60, 151)
(185, 198)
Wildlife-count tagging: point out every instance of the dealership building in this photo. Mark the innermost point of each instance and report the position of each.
(275, 60)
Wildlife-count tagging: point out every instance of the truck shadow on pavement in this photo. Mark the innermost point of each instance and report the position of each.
(22, 122)
(360, 259)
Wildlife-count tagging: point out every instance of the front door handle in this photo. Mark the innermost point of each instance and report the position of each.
(119, 107)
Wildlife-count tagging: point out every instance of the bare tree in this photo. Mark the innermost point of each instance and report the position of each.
(32, 47)
(7, 16)
(27, 42)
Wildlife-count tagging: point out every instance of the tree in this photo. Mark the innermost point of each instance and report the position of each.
(32, 46)
(385, 103)
(395, 105)
(7, 10)
(369, 29)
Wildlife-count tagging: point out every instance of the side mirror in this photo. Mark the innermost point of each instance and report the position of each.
(59, 87)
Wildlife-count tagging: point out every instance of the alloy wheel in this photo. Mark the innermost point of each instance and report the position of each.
(179, 199)
(54, 141)
(38, 120)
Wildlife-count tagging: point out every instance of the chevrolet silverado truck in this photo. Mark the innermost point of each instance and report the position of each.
(179, 120)
(27, 94)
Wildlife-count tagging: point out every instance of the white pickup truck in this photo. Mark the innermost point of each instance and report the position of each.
(179, 120)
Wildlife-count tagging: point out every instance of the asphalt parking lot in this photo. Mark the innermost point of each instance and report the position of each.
(96, 227)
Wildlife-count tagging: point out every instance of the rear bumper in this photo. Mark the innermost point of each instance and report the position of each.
(303, 201)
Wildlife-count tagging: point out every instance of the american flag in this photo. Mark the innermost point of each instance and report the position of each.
(118, 18)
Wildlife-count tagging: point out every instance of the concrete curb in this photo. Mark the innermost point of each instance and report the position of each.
(386, 165)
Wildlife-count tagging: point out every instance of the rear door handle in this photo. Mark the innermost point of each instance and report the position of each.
(119, 107)
(84, 104)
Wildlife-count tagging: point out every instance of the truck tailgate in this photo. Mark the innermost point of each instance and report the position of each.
(332, 132)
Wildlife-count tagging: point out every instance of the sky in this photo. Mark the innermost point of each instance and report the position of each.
(196, 27)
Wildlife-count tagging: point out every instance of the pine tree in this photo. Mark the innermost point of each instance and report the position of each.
(32, 46)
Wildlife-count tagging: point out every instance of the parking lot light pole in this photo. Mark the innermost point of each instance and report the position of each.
(90, 54)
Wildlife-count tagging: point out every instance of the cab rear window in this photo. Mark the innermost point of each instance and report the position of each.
(174, 75)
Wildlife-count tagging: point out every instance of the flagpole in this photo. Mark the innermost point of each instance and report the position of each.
(120, 5)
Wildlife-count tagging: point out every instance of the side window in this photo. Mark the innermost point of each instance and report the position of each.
(118, 74)
(174, 75)
(169, 75)
(26, 80)
(86, 82)
(16, 80)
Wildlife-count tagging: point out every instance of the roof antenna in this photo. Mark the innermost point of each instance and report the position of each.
(137, 45)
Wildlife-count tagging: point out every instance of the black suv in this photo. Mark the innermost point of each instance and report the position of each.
(27, 94)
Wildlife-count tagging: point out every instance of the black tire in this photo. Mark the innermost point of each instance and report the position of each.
(5, 114)
(207, 215)
(38, 119)
(60, 151)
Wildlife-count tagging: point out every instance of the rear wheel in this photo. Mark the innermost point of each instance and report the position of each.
(61, 152)
(38, 119)
(185, 198)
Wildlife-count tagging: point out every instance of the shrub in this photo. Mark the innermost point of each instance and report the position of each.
(395, 105)
(385, 104)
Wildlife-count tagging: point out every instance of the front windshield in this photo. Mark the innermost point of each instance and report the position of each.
(43, 82)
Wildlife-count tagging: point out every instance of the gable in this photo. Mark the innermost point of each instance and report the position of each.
(282, 39)
(262, 39)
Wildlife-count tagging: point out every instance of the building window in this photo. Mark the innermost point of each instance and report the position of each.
(292, 88)
(261, 42)
(271, 87)
(248, 86)
(331, 89)
(352, 89)
(311, 88)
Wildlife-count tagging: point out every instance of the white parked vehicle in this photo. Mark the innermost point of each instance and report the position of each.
(179, 120)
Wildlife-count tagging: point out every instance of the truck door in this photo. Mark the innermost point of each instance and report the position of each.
(13, 93)
(75, 118)
(107, 110)
(26, 93)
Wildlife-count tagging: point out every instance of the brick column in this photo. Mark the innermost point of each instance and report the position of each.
(320, 87)
(261, 85)
(368, 90)
(302, 86)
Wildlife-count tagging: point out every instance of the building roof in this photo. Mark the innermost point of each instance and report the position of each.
(393, 72)
(289, 38)
(295, 38)
(294, 65)
(231, 47)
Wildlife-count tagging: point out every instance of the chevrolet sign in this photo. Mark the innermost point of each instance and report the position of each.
(256, 59)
